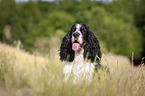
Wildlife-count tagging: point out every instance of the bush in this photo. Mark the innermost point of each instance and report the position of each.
(119, 36)
(29, 21)
(54, 21)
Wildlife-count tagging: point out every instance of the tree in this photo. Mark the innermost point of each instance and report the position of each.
(139, 17)
(119, 37)
(7, 9)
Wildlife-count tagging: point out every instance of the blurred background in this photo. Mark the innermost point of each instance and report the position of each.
(119, 24)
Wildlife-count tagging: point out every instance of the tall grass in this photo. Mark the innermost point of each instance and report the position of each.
(32, 75)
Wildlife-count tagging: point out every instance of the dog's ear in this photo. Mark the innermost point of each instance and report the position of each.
(92, 48)
(66, 52)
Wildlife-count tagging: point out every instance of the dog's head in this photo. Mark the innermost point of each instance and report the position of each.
(78, 36)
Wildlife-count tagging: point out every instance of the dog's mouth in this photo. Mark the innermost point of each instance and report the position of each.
(76, 45)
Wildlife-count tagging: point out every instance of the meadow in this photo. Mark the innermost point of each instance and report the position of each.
(25, 74)
(34, 68)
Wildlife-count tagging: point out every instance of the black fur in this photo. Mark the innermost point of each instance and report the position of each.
(66, 52)
(91, 49)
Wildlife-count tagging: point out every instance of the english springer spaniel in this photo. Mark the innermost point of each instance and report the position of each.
(81, 53)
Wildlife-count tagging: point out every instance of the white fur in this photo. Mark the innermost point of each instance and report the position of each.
(80, 38)
(78, 70)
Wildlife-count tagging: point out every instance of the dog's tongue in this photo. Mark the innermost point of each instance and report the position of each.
(75, 46)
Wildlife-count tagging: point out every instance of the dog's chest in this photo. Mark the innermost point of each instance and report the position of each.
(79, 69)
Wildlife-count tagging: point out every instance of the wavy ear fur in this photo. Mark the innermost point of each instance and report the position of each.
(92, 49)
(66, 52)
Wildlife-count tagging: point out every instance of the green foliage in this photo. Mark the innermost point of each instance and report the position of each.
(119, 37)
(113, 23)
(5, 14)
(139, 17)
(24, 23)
(22, 19)
(54, 21)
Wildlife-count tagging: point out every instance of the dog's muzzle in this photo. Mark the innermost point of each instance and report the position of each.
(76, 46)
(76, 34)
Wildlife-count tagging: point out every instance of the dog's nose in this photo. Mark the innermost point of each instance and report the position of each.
(76, 34)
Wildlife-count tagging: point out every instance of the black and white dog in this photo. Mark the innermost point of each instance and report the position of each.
(81, 53)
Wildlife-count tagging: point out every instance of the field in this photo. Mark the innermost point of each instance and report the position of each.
(24, 74)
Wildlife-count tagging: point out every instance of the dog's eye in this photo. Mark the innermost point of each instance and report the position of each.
(82, 29)
(74, 28)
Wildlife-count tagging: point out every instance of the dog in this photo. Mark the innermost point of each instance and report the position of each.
(80, 51)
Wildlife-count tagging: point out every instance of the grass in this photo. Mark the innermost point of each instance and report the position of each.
(24, 74)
